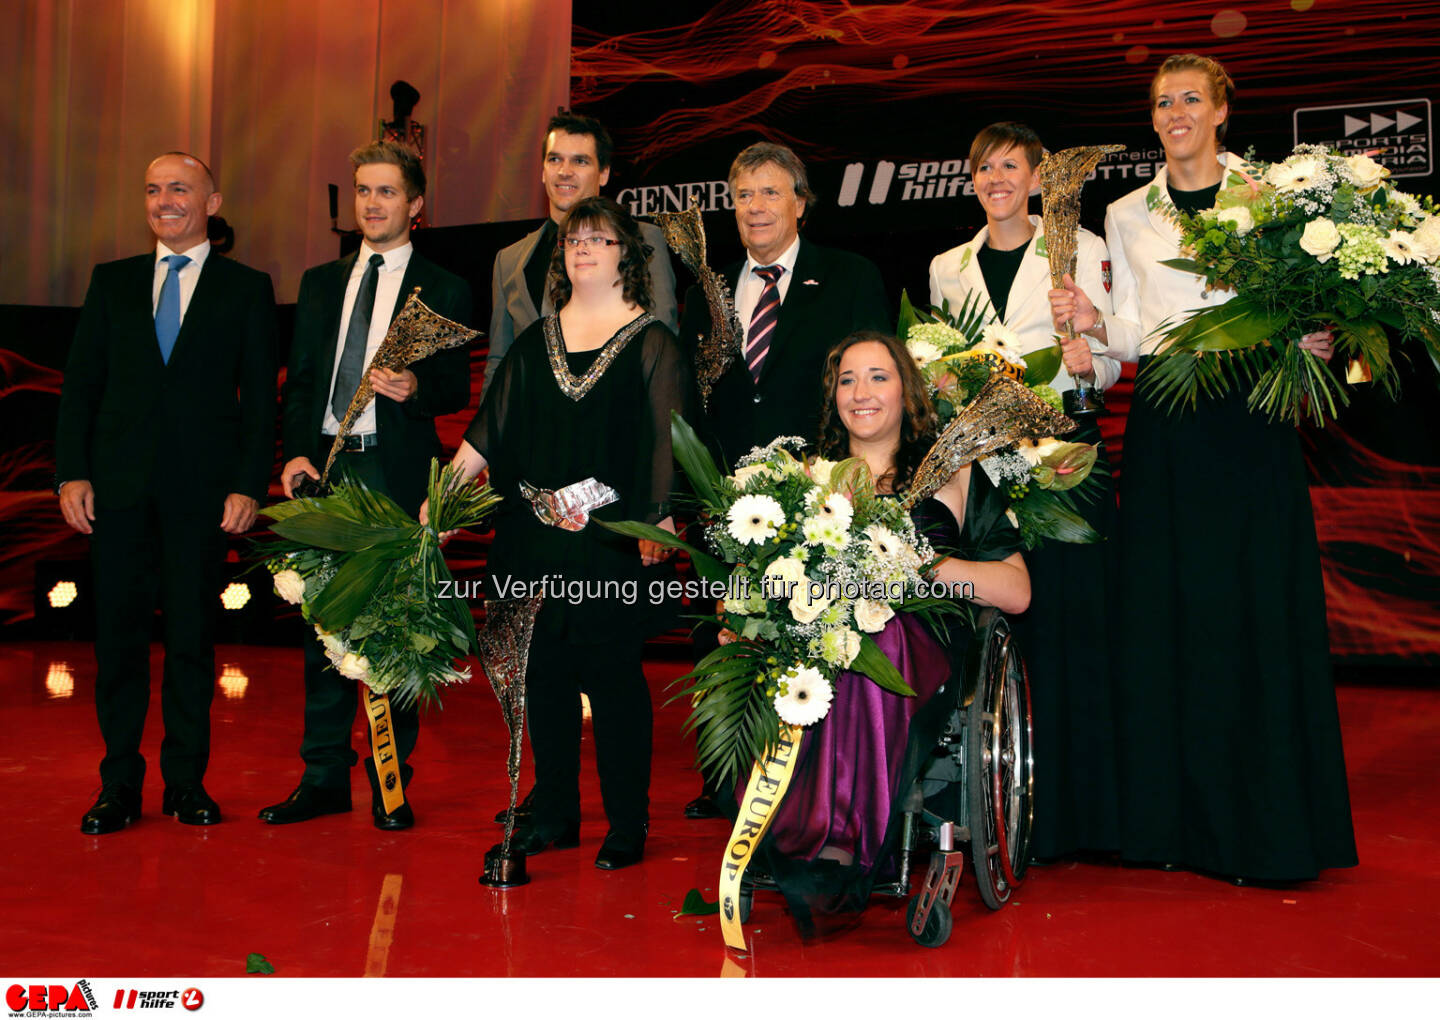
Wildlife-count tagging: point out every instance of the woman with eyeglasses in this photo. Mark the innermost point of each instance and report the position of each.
(1229, 752)
(578, 416)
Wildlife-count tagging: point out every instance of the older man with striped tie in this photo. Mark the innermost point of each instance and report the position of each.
(796, 300)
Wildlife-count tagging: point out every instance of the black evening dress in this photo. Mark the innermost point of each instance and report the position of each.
(550, 419)
(1230, 759)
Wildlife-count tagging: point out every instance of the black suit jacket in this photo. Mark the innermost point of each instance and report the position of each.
(405, 431)
(833, 293)
(193, 430)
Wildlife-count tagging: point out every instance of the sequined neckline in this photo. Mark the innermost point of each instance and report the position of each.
(576, 386)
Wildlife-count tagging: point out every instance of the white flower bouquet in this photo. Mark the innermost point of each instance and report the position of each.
(957, 354)
(1315, 241)
(368, 578)
(811, 563)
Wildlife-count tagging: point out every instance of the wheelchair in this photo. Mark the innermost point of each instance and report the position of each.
(975, 791)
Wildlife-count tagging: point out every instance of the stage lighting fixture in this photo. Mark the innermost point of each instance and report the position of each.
(236, 595)
(233, 681)
(59, 680)
(63, 594)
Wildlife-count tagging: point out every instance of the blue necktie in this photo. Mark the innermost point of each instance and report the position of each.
(167, 312)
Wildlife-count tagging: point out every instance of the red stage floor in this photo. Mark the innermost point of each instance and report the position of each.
(335, 897)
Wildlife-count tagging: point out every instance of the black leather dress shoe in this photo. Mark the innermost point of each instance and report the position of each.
(403, 817)
(620, 850)
(530, 838)
(117, 806)
(523, 810)
(703, 806)
(191, 805)
(305, 803)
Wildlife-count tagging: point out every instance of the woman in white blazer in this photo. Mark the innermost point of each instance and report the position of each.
(1063, 634)
(1230, 759)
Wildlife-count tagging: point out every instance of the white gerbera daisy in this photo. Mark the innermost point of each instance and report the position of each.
(837, 510)
(924, 352)
(1294, 175)
(1004, 341)
(753, 519)
(884, 543)
(1400, 247)
(1036, 450)
(804, 697)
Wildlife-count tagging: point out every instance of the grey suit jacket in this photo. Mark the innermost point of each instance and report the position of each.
(512, 308)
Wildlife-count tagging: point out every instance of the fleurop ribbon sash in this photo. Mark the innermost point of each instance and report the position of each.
(569, 508)
(769, 780)
(382, 747)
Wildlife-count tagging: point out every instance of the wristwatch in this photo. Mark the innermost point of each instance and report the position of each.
(1099, 324)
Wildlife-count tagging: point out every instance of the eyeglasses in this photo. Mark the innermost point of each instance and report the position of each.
(588, 242)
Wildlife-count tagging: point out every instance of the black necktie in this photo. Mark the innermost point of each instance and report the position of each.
(763, 319)
(357, 335)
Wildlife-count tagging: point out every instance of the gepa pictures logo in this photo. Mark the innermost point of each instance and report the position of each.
(63, 1000)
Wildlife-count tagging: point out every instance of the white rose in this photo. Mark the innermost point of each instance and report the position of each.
(1365, 172)
(290, 586)
(1238, 219)
(356, 667)
(1320, 239)
(820, 469)
(811, 598)
(871, 616)
(743, 475)
(1427, 239)
(335, 646)
(781, 576)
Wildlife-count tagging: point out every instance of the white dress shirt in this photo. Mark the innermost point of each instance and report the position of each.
(189, 274)
(749, 287)
(387, 291)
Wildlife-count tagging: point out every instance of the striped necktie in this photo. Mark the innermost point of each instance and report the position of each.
(763, 320)
(167, 309)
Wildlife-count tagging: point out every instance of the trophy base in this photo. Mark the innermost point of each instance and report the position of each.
(1083, 401)
(504, 870)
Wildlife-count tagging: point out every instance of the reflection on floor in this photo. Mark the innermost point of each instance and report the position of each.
(336, 897)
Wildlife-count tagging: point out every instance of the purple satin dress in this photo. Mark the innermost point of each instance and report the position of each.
(843, 791)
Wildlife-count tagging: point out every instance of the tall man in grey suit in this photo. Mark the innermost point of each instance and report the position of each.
(164, 446)
(795, 300)
(575, 165)
(341, 316)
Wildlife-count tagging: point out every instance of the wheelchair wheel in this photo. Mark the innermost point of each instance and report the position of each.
(937, 926)
(999, 763)
(747, 900)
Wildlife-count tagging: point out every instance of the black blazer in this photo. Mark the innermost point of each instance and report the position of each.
(193, 430)
(405, 431)
(833, 293)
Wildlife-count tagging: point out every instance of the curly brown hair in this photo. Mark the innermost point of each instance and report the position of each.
(918, 427)
(600, 213)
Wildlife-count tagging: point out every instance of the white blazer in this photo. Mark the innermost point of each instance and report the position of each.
(955, 275)
(1150, 298)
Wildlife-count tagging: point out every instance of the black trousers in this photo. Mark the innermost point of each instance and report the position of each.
(609, 673)
(331, 700)
(143, 556)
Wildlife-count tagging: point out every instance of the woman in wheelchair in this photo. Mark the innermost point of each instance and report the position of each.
(835, 833)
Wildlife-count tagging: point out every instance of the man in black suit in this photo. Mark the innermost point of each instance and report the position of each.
(342, 314)
(574, 165)
(795, 300)
(164, 446)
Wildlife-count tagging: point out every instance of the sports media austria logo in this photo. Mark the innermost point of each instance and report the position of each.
(75, 1000)
(1400, 131)
(133, 998)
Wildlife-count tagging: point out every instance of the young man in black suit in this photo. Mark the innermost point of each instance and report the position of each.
(795, 300)
(342, 314)
(164, 446)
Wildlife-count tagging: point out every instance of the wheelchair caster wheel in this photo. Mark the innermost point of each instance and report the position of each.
(937, 926)
(747, 901)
